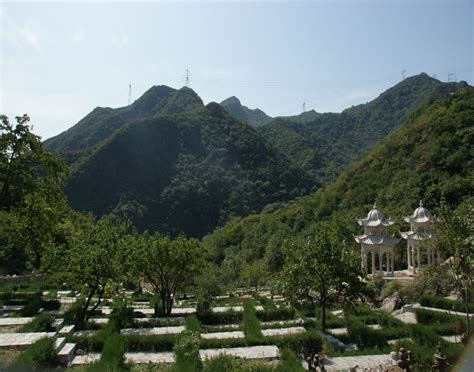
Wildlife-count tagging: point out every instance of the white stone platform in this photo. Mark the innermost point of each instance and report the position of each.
(222, 335)
(251, 352)
(363, 361)
(152, 331)
(15, 321)
(283, 331)
(145, 358)
(22, 339)
(85, 359)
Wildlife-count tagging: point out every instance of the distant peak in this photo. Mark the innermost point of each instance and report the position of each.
(233, 100)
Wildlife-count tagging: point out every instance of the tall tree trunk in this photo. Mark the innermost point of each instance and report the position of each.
(323, 304)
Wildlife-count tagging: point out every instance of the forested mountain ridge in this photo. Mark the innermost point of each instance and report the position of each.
(104, 121)
(184, 172)
(329, 142)
(254, 117)
(429, 157)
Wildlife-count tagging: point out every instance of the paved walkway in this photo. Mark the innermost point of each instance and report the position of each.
(282, 331)
(145, 358)
(222, 335)
(22, 339)
(251, 352)
(363, 361)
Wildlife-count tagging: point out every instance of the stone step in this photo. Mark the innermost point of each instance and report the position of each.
(59, 344)
(85, 359)
(66, 330)
(13, 340)
(66, 354)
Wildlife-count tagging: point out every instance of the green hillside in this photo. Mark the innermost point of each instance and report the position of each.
(430, 155)
(329, 142)
(184, 172)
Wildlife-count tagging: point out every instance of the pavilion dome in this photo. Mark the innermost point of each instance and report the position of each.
(421, 212)
(375, 214)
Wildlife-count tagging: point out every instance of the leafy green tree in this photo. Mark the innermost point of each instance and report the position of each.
(323, 268)
(254, 273)
(91, 259)
(168, 265)
(454, 237)
(31, 200)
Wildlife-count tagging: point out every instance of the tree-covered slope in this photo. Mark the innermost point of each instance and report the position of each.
(102, 122)
(254, 117)
(329, 142)
(429, 156)
(184, 172)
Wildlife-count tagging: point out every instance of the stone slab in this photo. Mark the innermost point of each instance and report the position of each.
(13, 307)
(222, 335)
(363, 361)
(338, 331)
(67, 329)
(152, 331)
(407, 318)
(145, 358)
(250, 352)
(455, 339)
(281, 322)
(66, 354)
(85, 359)
(15, 321)
(283, 331)
(22, 339)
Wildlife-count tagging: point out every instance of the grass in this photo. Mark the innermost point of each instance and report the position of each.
(39, 355)
(41, 323)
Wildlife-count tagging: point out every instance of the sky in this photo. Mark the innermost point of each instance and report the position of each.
(60, 60)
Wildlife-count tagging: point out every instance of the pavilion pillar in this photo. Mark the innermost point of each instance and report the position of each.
(418, 256)
(409, 255)
(380, 262)
(392, 261)
(373, 262)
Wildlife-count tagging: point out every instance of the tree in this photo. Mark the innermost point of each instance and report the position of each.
(168, 265)
(323, 268)
(254, 272)
(90, 259)
(31, 200)
(454, 237)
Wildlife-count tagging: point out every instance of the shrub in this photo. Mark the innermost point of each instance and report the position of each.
(187, 353)
(41, 355)
(193, 324)
(72, 313)
(41, 323)
(364, 336)
(228, 317)
(150, 343)
(281, 313)
(252, 330)
(121, 316)
(32, 305)
(444, 303)
(220, 364)
(51, 305)
(289, 362)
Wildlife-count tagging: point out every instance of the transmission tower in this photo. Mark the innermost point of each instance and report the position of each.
(403, 73)
(187, 79)
(129, 94)
(451, 76)
(304, 106)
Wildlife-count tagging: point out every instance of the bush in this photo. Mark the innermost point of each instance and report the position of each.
(187, 353)
(228, 317)
(220, 364)
(121, 316)
(252, 330)
(364, 336)
(32, 305)
(193, 324)
(41, 323)
(72, 313)
(281, 313)
(427, 317)
(289, 362)
(41, 355)
(444, 303)
(150, 343)
(51, 305)
(111, 358)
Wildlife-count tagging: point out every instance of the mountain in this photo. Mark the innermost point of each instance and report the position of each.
(428, 157)
(254, 117)
(103, 121)
(183, 168)
(326, 143)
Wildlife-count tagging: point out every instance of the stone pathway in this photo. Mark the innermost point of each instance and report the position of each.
(152, 331)
(22, 339)
(363, 361)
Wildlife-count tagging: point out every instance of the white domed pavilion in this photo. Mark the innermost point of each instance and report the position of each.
(418, 251)
(377, 242)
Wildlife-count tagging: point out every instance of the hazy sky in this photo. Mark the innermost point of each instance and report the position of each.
(59, 60)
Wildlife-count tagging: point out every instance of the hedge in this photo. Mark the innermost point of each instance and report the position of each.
(41, 323)
(39, 355)
(444, 303)
(427, 317)
(252, 330)
(364, 336)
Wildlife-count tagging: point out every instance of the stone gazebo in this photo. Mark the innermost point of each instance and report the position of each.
(417, 239)
(377, 241)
